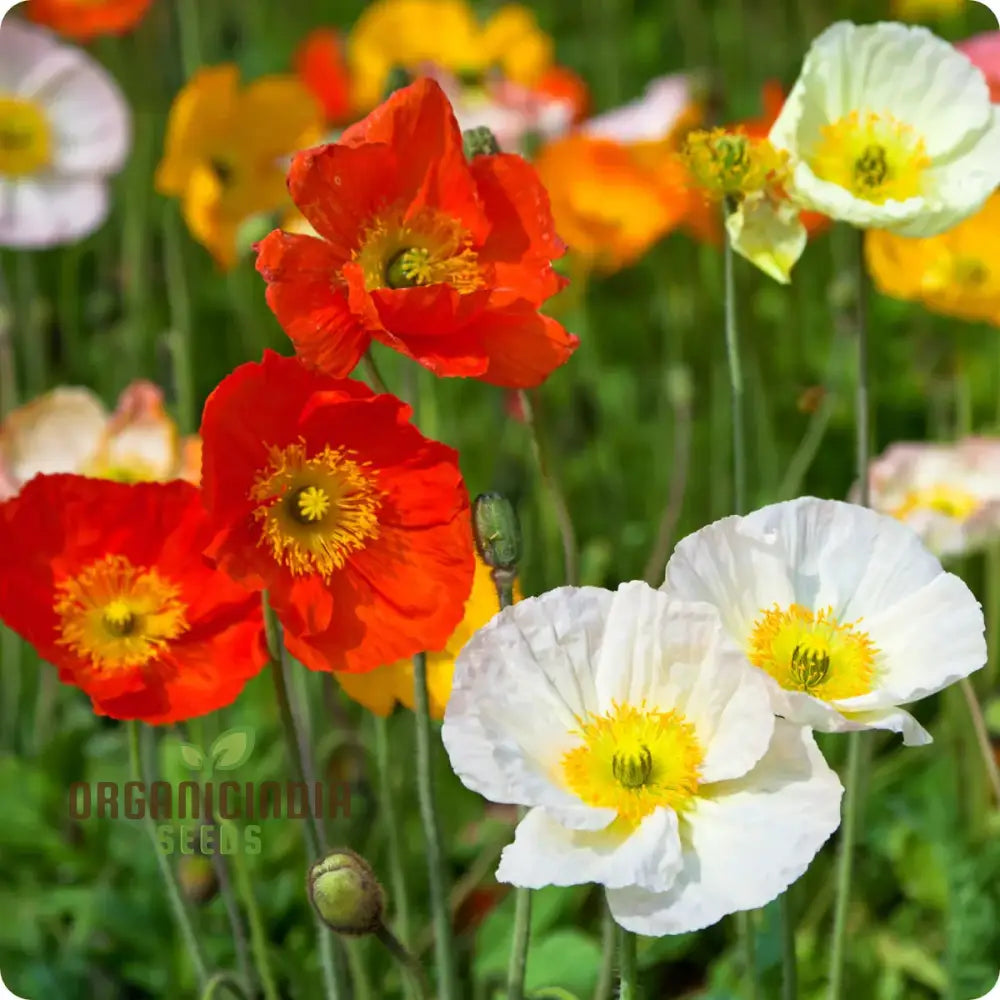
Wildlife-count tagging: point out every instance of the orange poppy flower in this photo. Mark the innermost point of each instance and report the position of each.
(89, 19)
(321, 64)
(325, 494)
(105, 580)
(442, 259)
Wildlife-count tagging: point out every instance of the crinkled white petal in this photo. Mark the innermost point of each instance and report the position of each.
(545, 852)
(922, 82)
(675, 656)
(47, 210)
(745, 843)
(521, 685)
(769, 234)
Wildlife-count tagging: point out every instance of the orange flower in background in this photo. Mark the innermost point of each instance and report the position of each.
(382, 689)
(612, 200)
(106, 581)
(226, 151)
(69, 430)
(323, 493)
(954, 274)
(445, 260)
(560, 83)
(412, 34)
(86, 19)
(321, 64)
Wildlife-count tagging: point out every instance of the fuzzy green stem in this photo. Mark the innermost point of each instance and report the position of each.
(628, 966)
(258, 936)
(443, 941)
(332, 978)
(789, 963)
(372, 372)
(178, 340)
(845, 862)
(606, 974)
(416, 979)
(564, 519)
(190, 36)
(181, 915)
(982, 737)
(225, 981)
(745, 934)
(520, 939)
(735, 384)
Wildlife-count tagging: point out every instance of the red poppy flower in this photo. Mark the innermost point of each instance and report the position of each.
(442, 259)
(105, 580)
(325, 494)
(322, 67)
(87, 20)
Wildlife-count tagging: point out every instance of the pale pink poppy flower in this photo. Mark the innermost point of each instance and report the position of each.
(664, 105)
(984, 52)
(948, 494)
(69, 430)
(64, 129)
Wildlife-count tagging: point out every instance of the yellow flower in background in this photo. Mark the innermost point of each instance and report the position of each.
(70, 430)
(379, 690)
(408, 34)
(955, 274)
(927, 10)
(227, 148)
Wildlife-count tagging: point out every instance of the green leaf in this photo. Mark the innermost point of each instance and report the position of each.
(232, 748)
(192, 756)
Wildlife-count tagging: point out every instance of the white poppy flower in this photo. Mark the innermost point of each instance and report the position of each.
(645, 745)
(890, 127)
(64, 129)
(948, 493)
(842, 608)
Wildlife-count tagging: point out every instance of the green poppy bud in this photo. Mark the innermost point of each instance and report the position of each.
(345, 893)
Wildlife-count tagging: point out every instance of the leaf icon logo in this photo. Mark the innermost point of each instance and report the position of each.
(229, 751)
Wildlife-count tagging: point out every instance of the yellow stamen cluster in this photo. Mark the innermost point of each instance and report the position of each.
(25, 137)
(730, 165)
(426, 248)
(118, 615)
(634, 760)
(875, 157)
(315, 511)
(811, 651)
(941, 498)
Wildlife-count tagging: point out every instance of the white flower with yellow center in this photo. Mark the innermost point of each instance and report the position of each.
(844, 611)
(64, 129)
(645, 746)
(948, 493)
(890, 127)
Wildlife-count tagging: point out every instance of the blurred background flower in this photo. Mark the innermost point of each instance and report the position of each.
(64, 130)
(88, 19)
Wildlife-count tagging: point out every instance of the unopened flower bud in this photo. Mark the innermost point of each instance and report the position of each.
(197, 877)
(498, 531)
(345, 893)
(479, 141)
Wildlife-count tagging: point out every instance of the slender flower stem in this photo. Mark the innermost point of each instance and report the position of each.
(735, 383)
(178, 340)
(789, 966)
(856, 747)
(224, 981)
(520, 939)
(221, 868)
(629, 981)
(332, 977)
(187, 18)
(982, 736)
(443, 942)
(258, 936)
(560, 507)
(745, 933)
(606, 975)
(387, 809)
(181, 915)
(415, 976)
(372, 373)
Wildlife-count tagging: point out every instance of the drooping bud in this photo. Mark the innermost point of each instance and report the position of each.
(479, 141)
(346, 894)
(498, 531)
(197, 877)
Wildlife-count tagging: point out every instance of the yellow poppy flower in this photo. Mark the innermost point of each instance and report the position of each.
(380, 689)
(407, 34)
(955, 274)
(227, 147)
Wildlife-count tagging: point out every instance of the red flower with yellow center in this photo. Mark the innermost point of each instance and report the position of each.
(105, 580)
(443, 259)
(86, 19)
(325, 494)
